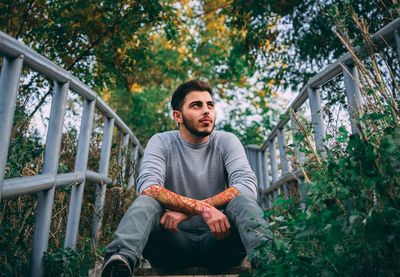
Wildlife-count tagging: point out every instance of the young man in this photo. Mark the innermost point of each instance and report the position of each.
(197, 196)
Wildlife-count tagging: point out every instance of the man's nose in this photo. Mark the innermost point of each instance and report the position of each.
(206, 110)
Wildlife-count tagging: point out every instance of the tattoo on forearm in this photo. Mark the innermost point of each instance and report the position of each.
(222, 199)
(173, 201)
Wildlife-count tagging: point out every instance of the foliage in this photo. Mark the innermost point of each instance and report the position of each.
(69, 262)
(71, 32)
(130, 50)
(298, 33)
(16, 226)
(351, 223)
(348, 224)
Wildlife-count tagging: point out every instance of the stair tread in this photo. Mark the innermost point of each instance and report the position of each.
(191, 271)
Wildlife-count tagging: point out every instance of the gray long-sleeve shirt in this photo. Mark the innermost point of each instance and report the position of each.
(197, 171)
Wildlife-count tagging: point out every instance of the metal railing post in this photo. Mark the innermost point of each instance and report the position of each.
(122, 156)
(139, 162)
(354, 100)
(260, 167)
(316, 117)
(274, 163)
(9, 80)
(295, 129)
(283, 158)
(132, 168)
(261, 184)
(266, 179)
(255, 164)
(50, 166)
(249, 157)
(301, 187)
(248, 154)
(103, 169)
(82, 156)
(265, 170)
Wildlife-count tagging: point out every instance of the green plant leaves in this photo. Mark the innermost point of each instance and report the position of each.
(352, 213)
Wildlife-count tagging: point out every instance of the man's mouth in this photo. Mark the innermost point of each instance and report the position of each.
(206, 120)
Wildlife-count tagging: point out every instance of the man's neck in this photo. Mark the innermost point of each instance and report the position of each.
(190, 138)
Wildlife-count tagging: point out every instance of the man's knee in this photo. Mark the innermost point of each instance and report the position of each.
(243, 203)
(245, 213)
(148, 202)
(144, 207)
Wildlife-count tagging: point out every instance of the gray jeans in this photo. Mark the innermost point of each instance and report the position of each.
(140, 233)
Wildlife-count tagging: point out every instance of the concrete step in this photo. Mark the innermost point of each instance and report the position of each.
(192, 271)
(145, 270)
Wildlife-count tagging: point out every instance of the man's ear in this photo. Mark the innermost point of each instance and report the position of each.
(177, 116)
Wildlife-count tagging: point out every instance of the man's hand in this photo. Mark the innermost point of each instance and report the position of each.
(171, 219)
(184, 207)
(217, 221)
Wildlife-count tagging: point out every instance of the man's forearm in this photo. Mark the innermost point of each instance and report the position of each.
(222, 199)
(175, 202)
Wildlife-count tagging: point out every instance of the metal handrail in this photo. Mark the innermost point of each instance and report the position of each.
(381, 37)
(344, 65)
(15, 56)
(11, 48)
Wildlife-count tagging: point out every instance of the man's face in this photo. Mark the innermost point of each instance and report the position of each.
(198, 113)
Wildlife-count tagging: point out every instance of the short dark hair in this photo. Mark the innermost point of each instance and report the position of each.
(181, 92)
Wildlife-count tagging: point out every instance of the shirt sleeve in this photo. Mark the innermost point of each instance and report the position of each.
(238, 168)
(152, 169)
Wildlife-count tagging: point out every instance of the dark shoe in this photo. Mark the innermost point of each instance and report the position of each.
(117, 266)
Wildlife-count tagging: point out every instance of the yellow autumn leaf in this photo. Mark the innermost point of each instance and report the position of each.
(136, 88)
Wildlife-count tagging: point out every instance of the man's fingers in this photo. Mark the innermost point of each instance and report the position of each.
(212, 228)
(218, 231)
(175, 227)
(224, 230)
(171, 224)
(162, 220)
(228, 228)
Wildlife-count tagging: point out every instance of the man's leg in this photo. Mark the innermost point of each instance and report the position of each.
(170, 250)
(142, 217)
(193, 249)
(247, 216)
(220, 253)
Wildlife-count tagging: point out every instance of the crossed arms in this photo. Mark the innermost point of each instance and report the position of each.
(180, 208)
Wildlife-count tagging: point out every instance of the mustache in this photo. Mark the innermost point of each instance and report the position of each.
(206, 118)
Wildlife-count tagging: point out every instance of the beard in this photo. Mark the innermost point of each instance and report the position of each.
(192, 129)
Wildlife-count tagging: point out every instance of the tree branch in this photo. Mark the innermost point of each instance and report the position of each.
(79, 58)
(42, 100)
(221, 6)
(93, 44)
(24, 19)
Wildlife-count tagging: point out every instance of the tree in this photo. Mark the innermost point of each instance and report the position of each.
(303, 41)
(74, 33)
(199, 44)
